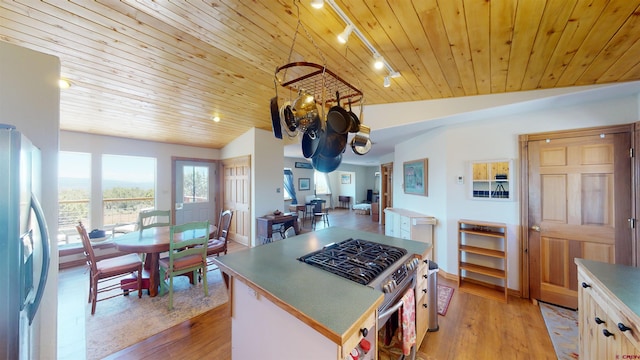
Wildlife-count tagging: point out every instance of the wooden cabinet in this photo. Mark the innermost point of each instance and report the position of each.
(492, 180)
(410, 225)
(482, 258)
(608, 328)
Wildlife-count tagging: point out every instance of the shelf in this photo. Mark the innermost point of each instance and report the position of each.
(483, 233)
(487, 241)
(484, 270)
(483, 251)
(484, 290)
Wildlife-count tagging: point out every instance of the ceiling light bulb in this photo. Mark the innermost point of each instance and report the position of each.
(344, 36)
(64, 84)
(387, 81)
(395, 74)
(379, 61)
(215, 118)
(317, 4)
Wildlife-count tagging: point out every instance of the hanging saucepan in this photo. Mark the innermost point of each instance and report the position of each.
(288, 121)
(338, 118)
(355, 122)
(326, 164)
(305, 112)
(275, 118)
(313, 142)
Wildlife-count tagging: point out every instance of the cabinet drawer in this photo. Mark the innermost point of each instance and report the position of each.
(350, 344)
(405, 223)
(405, 234)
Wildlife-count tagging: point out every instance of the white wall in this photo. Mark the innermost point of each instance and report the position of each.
(30, 100)
(449, 150)
(97, 145)
(266, 171)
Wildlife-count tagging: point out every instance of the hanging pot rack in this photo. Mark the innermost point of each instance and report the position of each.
(317, 80)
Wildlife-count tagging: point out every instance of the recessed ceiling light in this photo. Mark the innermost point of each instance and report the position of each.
(215, 118)
(64, 84)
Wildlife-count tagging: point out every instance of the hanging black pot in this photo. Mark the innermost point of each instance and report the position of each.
(338, 119)
(334, 143)
(326, 164)
(313, 142)
(275, 118)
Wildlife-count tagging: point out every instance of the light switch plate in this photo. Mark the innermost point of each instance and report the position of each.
(460, 179)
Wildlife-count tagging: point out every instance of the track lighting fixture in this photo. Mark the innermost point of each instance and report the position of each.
(379, 61)
(387, 81)
(344, 36)
(317, 4)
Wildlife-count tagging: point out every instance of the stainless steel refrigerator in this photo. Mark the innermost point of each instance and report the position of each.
(24, 243)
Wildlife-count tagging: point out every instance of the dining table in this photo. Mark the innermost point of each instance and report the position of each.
(153, 242)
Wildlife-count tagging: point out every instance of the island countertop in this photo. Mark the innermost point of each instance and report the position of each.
(621, 281)
(322, 300)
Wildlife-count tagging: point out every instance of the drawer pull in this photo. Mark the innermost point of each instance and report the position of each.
(585, 285)
(364, 332)
(425, 276)
(623, 327)
(599, 321)
(424, 291)
(606, 333)
(425, 306)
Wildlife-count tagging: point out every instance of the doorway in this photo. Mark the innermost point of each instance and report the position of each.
(576, 189)
(386, 189)
(194, 191)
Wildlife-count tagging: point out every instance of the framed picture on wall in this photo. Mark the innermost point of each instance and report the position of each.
(345, 179)
(303, 165)
(304, 184)
(415, 176)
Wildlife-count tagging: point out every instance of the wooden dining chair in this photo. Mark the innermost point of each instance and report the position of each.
(320, 212)
(153, 218)
(218, 244)
(105, 272)
(187, 254)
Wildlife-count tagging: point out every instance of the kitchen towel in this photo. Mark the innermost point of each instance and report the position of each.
(408, 321)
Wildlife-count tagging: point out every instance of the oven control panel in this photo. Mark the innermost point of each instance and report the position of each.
(399, 275)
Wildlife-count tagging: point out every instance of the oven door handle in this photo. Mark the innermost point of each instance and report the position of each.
(390, 311)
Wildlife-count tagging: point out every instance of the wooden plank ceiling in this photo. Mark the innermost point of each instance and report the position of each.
(159, 70)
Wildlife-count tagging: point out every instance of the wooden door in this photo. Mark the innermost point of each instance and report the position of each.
(579, 204)
(386, 190)
(236, 180)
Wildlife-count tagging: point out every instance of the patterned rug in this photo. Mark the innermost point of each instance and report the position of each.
(445, 293)
(125, 320)
(562, 325)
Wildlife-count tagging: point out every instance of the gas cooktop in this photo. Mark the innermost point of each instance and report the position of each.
(355, 259)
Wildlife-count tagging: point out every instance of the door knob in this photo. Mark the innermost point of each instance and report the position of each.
(535, 228)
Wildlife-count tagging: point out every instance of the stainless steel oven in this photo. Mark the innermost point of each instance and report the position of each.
(383, 267)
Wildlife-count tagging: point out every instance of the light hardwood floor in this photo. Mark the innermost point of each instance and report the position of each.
(473, 328)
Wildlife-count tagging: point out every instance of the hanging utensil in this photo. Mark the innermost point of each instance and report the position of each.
(338, 119)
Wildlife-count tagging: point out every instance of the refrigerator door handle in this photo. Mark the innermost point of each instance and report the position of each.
(46, 256)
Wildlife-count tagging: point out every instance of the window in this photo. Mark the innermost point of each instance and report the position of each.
(74, 195)
(289, 187)
(128, 186)
(196, 184)
(321, 181)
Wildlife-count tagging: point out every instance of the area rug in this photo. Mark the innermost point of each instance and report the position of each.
(562, 325)
(125, 320)
(445, 293)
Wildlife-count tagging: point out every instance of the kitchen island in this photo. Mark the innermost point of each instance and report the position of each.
(282, 308)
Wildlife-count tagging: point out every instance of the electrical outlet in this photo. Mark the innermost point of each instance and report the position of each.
(460, 179)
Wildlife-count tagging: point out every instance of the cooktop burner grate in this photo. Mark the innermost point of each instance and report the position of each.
(355, 259)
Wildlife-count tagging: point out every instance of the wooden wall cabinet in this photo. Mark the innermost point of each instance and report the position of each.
(492, 180)
(608, 329)
(482, 259)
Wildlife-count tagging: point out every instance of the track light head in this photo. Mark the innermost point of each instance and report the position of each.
(387, 81)
(317, 4)
(344, 36)
(379, 61)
